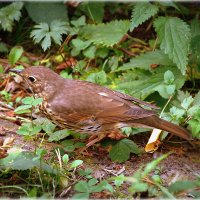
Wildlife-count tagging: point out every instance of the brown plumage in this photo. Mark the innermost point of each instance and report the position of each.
(89, 108)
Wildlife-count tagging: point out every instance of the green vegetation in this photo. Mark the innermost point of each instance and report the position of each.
(147, 50)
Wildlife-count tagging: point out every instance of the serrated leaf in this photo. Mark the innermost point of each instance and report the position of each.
(174, 36)
(144, 61)
(102, 34)
(10, 13)
(121, 150)
(142, 12)
(187, 102)
(15, 54)
(140, 83)
(44, 33)
(59, 135)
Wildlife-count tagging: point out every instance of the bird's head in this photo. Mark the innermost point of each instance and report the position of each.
(39, 80)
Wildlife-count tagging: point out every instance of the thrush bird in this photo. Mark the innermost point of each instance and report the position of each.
(86, 107)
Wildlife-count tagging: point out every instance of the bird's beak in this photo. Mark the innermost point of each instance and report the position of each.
(17, 71)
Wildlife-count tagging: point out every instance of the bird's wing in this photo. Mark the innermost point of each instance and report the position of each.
(89, 101)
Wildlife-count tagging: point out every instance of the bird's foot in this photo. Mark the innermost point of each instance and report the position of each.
(94, 139)
(116, 135)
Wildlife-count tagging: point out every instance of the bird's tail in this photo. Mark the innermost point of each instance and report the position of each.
(156, 122)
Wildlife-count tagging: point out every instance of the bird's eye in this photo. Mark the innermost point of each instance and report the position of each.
(32, 79)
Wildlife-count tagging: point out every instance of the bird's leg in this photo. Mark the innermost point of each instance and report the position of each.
(95, 138)
(116, 134)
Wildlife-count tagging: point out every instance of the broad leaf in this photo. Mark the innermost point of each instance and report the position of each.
(23, 160)
(46, 12)
(58, 135)
(98, 77)
(179, 186)
(15, 54)
(144, 61)
(75, 164)
(142, 12)
(141, 83)
(174, 37)
(94, 10)
(102, 34)
(121, 150)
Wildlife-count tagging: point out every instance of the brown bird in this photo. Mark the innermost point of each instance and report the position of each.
(86, 107)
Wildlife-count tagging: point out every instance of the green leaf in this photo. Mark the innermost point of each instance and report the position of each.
(3, 47)
(37, 101)
(119, 180)
(121, 150)
(23, 109)
(99, 78)
(144, 61)
(29, 129)
(79, 22)
(19, 160)
(197, 99)
(138, 187)
(46, 124)
(152, 165)
(46, 12)
(15, 54)
(75, 164)
(65, 159)
(174, 36)
(81, 186)
(92, 182)
(187, 102)
(194, 124)
(79, 44)
(90, 52)
(81, 196)
(140, 83)
(142, 12)
(28, 100)
(23, 160)
(59, 135)
(94, 10)
(195, 27)
(102, 34)
(169, 77)
(44, 33)
(179, 186)
(9, 14)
